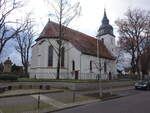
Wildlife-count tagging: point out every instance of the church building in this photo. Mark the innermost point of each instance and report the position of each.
(82, 56)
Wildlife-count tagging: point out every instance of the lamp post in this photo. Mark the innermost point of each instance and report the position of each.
(38, 104)
(99, 69)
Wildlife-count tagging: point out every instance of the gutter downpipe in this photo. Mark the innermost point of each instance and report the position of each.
(80, 64)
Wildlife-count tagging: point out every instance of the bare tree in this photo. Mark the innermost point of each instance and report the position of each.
(7, 7)
(145, 61)
(133, 31)
(120, 56)
(64, 13)
(24, 42)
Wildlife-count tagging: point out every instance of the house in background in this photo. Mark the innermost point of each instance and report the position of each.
(7, 65)
(80, 53)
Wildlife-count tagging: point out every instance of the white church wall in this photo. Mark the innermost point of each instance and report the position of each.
(74, 55)
(39, 64)
(109, 41)
(85, 66)
(34, 59)
(42, 54)
(40, 69)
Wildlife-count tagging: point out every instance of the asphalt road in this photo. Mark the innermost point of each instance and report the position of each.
(139, 103)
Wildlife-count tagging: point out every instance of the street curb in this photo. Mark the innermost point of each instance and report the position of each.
(75, 105)
(111, 98)
(85, 103)
(6, 96)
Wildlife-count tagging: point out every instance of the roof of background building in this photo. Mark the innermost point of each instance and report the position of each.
(84, 43)
(8, 61)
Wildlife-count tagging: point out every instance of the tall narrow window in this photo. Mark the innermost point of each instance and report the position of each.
(90, 66)
(73, 65)
(105, 67)
(50, 56)
(62, 56)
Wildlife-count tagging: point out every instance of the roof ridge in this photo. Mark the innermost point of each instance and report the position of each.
(81, 41)
(73, 30)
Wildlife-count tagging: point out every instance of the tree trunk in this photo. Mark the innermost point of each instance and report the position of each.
(133, 65)
(26, 69)
(138, 68)
(58, 64)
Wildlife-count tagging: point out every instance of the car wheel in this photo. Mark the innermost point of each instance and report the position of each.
(148, 88)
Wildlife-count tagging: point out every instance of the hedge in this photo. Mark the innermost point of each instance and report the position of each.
(8, 77)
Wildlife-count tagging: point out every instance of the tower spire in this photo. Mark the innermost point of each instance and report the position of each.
(104, 11)
(105, 27)
(105, 19)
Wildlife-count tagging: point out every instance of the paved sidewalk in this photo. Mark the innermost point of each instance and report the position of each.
(128, 104)
(60, 105)
(50, 101)
(57, 99)
(1, 111)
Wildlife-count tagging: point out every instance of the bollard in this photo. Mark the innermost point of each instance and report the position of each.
(74, 96)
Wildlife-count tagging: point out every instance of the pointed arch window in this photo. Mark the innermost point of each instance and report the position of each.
(105, 67)
(73, 65)
(91, 66)
(50, 55)
(62, 56)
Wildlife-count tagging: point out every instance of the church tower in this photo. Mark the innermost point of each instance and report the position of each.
(106, 35)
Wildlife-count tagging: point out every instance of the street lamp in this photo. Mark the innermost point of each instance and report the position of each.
(99, 69)
(38, 104)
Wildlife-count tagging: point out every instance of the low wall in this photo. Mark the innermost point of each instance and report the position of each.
(74, 86)
(94, 86)
(64, 75)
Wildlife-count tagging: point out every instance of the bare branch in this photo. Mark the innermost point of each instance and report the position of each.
(133, 34)
(65, 12)
(24, 42)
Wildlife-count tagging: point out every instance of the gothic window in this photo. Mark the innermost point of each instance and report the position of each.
(91, 66)
(105, 67)
(62, 56)
(73, 65)
(50, 56)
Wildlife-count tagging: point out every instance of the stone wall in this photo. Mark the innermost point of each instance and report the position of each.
(74, 86)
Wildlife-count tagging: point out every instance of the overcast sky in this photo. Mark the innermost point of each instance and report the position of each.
(92, 12)
(91, 15)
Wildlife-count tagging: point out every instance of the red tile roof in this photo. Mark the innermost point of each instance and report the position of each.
(84, 43)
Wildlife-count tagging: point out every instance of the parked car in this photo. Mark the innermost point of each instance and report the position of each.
(143, 84)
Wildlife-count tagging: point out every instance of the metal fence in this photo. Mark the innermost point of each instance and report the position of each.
(81, 76)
